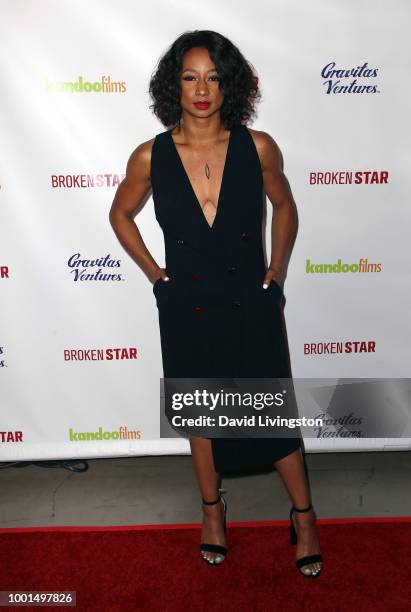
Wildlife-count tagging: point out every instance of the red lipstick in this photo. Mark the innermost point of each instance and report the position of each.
(202, 105)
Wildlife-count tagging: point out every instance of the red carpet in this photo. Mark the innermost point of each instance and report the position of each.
(367, 567)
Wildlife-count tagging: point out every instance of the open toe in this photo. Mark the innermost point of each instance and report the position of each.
(310, 566)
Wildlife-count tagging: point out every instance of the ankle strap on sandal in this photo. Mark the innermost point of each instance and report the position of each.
(302, 509)
(211, 503)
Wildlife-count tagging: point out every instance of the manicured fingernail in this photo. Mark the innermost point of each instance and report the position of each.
(265, 286)
(166, 278)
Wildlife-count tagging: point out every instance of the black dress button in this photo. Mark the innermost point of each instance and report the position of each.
(245, 236)
(232, 270)
(236, 304)
(181, 242)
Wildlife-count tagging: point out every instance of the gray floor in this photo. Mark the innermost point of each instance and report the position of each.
(162, 489)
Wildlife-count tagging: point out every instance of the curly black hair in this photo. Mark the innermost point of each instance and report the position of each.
(238, 83)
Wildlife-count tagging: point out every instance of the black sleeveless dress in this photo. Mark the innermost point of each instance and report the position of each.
(215, 318)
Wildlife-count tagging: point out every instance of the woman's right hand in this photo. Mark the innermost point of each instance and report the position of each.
(160, 273)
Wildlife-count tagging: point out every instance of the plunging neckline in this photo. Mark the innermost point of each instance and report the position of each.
(191, 188)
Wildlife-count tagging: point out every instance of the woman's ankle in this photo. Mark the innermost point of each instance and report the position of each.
(305, 518)
(214, 510)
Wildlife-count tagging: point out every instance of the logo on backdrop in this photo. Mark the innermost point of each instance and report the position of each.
(3, 363)
(11, 436)
(359, 177)
(106, 354)
(333, 348)
(341, 426)
(352, 80)
(334, 268)
(123, 433)
(4, 272)
(104, 85)
(85, 181)
(84, 269)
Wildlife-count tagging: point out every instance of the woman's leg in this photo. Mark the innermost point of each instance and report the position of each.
(208, 481)
(293, 474)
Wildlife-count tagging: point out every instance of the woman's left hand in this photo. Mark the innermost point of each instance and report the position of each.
(271, 275)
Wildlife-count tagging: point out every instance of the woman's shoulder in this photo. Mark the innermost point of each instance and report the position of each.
(140, 157)
(267, 148)
(261, 138)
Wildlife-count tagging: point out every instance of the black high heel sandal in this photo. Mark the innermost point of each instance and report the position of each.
(309, 558)
(216, 548)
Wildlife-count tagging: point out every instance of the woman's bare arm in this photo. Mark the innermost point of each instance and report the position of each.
(284, 223)
(129, 196)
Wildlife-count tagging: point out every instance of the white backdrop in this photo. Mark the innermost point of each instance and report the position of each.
(48, 226)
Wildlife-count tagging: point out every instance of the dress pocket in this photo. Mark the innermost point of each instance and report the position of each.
(276, 286)
(163, 290)
(274, 292)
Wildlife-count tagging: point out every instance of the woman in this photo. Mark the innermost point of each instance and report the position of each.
(220, 309)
